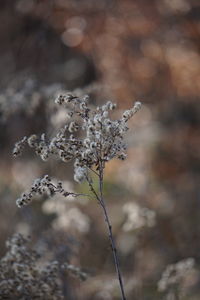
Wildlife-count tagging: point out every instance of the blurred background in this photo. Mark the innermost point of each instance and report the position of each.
(122, 51)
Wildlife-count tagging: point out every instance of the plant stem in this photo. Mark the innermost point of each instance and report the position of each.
(111, 238)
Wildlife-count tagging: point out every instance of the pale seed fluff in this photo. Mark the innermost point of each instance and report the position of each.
(101, 139)
(80, 174)
(137, 106)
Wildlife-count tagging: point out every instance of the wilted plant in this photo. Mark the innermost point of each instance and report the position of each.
(100, 140)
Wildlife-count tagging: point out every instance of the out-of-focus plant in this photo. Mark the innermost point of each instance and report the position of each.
(101, 139)
(172, 280)
(23, 276)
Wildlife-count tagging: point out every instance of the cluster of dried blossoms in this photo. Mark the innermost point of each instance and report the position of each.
(23, 277)
(90, 138)
(100, 138)
(42, 186)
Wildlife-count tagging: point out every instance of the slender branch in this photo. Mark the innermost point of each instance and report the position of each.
(94, 172)
(92, 189)
(111, 238)
(65, 194)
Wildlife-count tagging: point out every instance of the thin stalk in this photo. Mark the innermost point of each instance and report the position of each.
(109, 227)
(92, 188)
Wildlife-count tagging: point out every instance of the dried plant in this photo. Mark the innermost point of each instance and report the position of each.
(100, 140)
(24, 276)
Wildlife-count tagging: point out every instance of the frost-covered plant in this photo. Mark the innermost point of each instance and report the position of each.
(100, 139)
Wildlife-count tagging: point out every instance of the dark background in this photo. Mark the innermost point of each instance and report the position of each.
(124, 51)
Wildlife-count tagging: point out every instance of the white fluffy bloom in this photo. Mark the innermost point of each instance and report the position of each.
(130, 112)
(73, 127)
(80, 174)
(101, 137)
(137, 106)
(105, 114)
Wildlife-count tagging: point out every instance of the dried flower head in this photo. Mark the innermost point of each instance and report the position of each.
(41, 186)
(101, 137)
